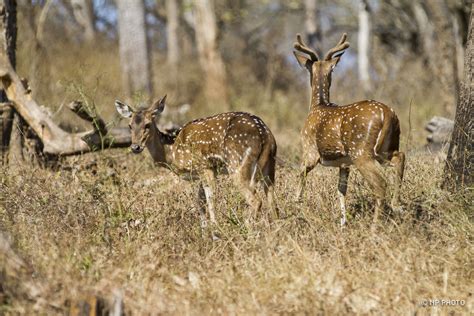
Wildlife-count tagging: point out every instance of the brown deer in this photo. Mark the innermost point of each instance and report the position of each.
(362, 134)
(236, 143)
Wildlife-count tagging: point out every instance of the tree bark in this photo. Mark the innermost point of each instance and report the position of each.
(364, 45)
(312, 25)
(6, 123)
(8, 34)
(459, 170)
(134, 48)
(209, 56)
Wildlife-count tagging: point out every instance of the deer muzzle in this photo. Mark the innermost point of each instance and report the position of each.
(136, 149)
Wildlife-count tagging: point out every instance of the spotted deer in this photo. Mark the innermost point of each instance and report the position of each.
(234, 143)
(363, 134)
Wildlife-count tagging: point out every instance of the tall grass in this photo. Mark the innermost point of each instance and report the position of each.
(123, 224)
(133, 227)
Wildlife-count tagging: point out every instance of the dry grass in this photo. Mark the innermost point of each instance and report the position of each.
(132, 227)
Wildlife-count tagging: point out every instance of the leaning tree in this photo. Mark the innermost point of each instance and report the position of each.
(25, 124)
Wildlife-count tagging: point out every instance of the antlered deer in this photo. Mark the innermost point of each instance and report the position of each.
(235, 143)
(362, 134)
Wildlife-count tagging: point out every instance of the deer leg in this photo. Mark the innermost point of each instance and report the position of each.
(398, 161)
(305, 169)
(342, 190)
(246, 180)
(370, 170)
(201, 201)
(209, 189)
(269, 187)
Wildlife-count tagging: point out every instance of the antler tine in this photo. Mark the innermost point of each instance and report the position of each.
(301, 46)
(341, 45)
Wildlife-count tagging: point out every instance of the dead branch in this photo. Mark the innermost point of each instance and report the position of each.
(56, 141)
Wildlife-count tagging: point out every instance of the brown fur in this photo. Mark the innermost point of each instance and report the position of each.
(234, 143)
(362, 134)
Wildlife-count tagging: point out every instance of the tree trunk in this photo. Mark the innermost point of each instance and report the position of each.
(172, 14)
(445, 51)
(458, 42)
(6, 123)
(312, 24)
(84, 15)
(364, 45)
(8, 34)
(133, 46)
(209, 56)
(459, 170)
(39, 64)
(425, 31)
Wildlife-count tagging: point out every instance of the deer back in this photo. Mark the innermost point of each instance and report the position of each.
(231, 139)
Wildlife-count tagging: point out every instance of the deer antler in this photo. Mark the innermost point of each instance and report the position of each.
(341, 45)
(302, 47)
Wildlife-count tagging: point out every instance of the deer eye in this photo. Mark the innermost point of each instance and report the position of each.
(147, 125)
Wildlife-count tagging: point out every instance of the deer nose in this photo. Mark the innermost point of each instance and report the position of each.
(135, 148)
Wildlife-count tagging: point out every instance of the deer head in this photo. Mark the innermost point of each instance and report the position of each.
(142, 122)
(320, 70)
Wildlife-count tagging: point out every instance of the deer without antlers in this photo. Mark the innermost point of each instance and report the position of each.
(362, 134)
(235, 143)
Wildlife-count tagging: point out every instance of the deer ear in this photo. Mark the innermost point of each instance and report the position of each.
(159, 106)
(337, 57)
(123, 109)
(335, 60)
(303, 61)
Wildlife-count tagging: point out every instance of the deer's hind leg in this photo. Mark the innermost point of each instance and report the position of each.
(205, 197)
(398, 161)
(246, 177)
(268, 174)
(209, 187)
(371, 171)
(342, 190)
(311, 161)
(206, 190)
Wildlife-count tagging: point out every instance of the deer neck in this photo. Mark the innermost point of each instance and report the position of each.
(160, 146)
(320, 85)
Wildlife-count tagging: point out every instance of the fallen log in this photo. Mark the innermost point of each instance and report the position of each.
(55, 140)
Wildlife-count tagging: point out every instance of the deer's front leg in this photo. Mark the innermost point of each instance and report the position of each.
(398, 160)
(342, 190)
(209, 186)
(309, 163)
(201, 202)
